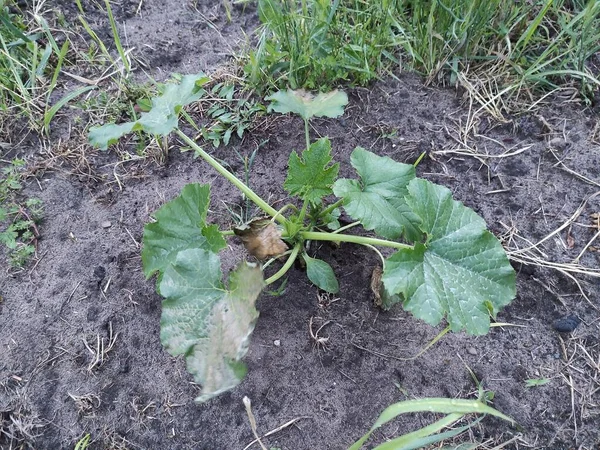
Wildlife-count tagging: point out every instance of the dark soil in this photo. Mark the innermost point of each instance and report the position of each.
(87, 289)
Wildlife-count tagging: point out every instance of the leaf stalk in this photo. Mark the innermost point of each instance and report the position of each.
(334, 237)
(281, 272)
(249, 193)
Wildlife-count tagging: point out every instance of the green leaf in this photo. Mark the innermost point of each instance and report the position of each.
(321, 274)
(206, 322)
(459, 273)
(307, 105)
(454, 407)
(9, 238)
(109, 134)
(161, 119)
(377, 200)
(180, 225)
(311, 176)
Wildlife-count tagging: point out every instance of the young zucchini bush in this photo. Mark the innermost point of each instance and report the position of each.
(444, 265)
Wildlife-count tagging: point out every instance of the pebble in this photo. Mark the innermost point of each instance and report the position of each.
(557, 143)
(471, 351)
(277, 343)
(106, 224)
(566, 324)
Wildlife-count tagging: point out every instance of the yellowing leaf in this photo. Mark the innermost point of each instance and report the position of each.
(205, 321)
(307, 105)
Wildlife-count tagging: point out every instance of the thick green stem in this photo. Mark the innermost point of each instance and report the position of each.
(318, 236)
(249, 193)
(281, 272)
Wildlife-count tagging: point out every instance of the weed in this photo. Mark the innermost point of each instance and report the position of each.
(316, 44)
(512, 48)
(30, 63)
(20, 218)
(226, 114)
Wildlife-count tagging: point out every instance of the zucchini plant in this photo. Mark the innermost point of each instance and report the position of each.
(445, 263)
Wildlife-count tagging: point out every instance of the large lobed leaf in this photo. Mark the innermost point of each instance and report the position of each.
(207, 323)
(307, 105)
(180, 225)
(311, 176)
(377, 200)
(161, 119)
(201, 319)
(461, 272)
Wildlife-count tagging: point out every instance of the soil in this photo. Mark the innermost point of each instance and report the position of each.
(86, 294)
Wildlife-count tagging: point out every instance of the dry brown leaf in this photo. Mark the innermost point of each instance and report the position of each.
(570, 240)
(261, 238)
(376, 285)
(596, 217)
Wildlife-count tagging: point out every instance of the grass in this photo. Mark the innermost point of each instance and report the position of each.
(505, 53)
(318, 44)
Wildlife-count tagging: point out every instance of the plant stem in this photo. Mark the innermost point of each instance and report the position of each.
(303, 212)
(249, 193)
(286, 207)
(319, 236)
(272, 260)
(281, 272)
(307, 134)
(331, 207)
(346, 227)
(372, 247)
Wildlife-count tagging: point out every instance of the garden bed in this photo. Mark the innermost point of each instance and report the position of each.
(79, 326)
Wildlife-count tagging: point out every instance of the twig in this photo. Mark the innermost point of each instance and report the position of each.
(252, 420)
(277, 430)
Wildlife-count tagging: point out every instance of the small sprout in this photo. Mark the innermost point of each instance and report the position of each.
(533, 382)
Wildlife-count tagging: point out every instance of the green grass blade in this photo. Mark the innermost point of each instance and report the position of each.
(49, 115)
(61, 57)
(410, 442)
(115, 32)
(95, 37)
(436, 405)
(9, 25)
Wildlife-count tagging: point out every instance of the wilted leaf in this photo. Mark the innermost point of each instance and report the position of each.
(460, 273)
(321, 274)
(180, 225)
(377, 200)
(311, 176)
(161, 119)
(307, 105)
(262, 238)
(206, 322)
